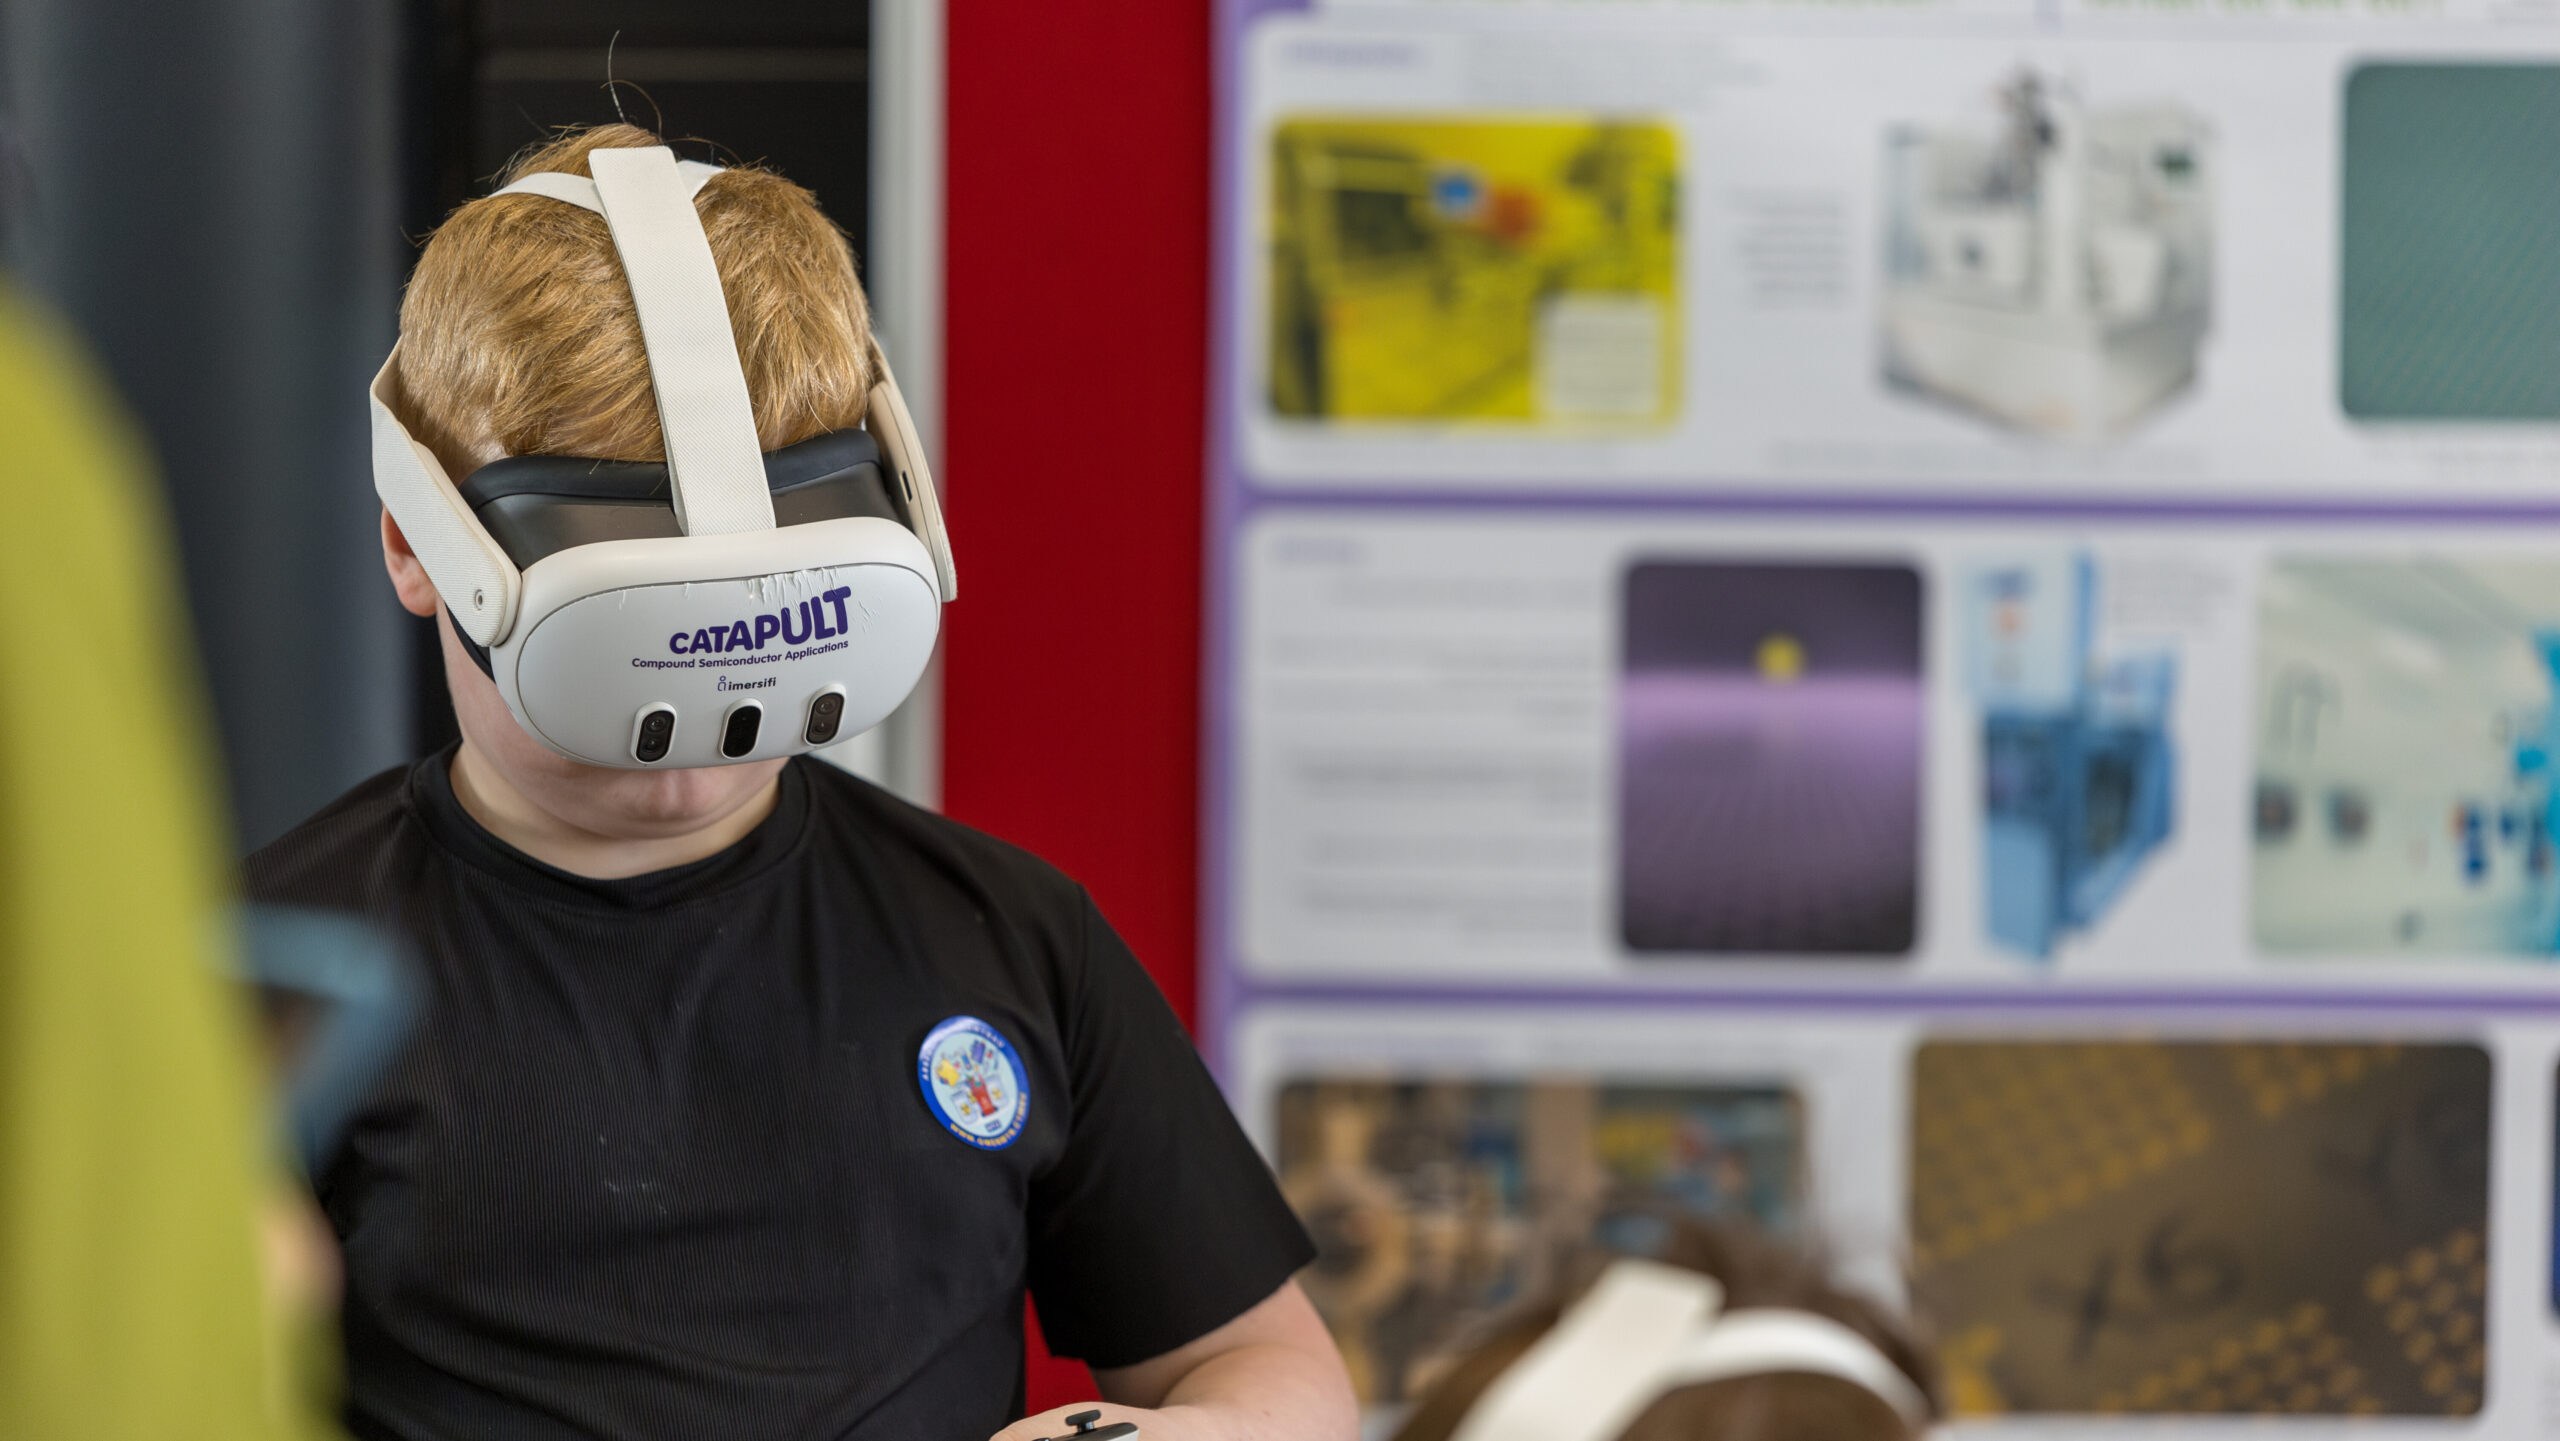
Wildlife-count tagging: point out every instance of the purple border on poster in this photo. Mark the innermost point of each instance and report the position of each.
(1228, 28)
(2134, 1004)
(1233, 501)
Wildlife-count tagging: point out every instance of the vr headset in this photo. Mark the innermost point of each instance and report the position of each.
(725, 606)
(1645, 1329)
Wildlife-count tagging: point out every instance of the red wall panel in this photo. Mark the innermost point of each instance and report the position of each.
(1078, 317)
(1077, 339)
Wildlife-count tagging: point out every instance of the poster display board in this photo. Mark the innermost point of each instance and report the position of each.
(1932, 625)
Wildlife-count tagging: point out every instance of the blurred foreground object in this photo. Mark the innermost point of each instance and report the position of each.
(130, 1296)
(337, 998)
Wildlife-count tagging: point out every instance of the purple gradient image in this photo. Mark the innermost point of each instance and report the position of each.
(1769, 741)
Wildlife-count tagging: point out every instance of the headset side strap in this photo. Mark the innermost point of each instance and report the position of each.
(470, 572)
(895, 431)
(713, 457)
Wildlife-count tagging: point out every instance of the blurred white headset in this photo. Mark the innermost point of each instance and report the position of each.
(1645, 1329)
(726, 606)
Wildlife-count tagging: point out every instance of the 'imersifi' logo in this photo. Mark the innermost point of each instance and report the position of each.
(751, 634)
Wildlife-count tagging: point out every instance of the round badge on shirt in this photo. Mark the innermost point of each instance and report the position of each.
(973, 1082)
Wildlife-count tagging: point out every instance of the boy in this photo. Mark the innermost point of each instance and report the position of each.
(657, 1164)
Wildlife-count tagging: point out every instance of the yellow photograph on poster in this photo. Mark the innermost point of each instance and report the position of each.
(1475, 269)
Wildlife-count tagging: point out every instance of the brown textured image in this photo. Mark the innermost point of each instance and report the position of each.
(2117, 1227)
(1435, 1204)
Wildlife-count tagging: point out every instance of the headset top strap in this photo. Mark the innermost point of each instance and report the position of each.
(580, 191)
(902, 449)
(714, 460)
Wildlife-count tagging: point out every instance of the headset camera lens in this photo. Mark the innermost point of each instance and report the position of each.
(739, 736)
(825, 714)
(657, 732)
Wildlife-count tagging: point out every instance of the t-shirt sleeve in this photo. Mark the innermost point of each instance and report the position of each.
(1159, 1223)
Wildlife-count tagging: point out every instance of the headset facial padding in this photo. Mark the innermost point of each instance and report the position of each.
(538, 505)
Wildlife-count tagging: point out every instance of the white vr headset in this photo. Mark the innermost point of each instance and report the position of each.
(1645, 1329)
(725, 606)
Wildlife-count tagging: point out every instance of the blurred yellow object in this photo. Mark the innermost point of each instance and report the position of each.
(1475, 268)
(132, 1145)
(1780, 657)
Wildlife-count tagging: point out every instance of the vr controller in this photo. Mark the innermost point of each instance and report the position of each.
(724, 606)
(1085, 1430)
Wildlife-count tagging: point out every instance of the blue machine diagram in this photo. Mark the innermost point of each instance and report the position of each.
(2079, 767)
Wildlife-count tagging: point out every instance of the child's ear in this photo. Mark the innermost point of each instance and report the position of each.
(408, 577)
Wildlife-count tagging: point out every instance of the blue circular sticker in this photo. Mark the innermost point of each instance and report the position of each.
(973, 1082)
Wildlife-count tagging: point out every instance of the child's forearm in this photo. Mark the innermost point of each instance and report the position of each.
(1259, 1393)
(1271, 1374)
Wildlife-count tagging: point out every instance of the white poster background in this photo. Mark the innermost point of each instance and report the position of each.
(1395, 603)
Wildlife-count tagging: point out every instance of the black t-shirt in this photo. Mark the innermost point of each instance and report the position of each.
(662, 1160)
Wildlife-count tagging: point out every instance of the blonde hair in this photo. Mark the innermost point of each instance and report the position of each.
(518, 336)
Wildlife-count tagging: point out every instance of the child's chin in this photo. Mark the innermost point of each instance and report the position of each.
(664, 803)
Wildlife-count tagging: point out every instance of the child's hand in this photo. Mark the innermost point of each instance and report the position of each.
(297, 1254)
